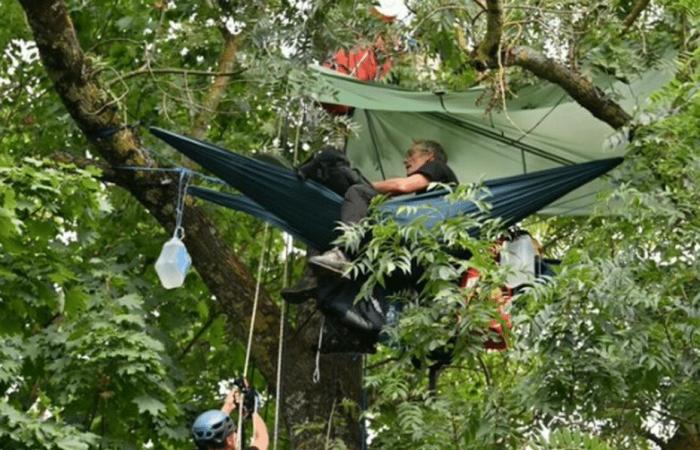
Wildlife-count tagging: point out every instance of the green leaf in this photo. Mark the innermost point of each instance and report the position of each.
(150, 405)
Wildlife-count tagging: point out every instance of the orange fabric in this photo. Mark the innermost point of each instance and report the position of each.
(360, 63)
(502, 297)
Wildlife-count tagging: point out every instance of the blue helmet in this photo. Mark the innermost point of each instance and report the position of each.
(212, 428)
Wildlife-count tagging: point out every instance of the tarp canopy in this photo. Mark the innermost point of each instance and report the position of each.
(310, 211)
(543, 128)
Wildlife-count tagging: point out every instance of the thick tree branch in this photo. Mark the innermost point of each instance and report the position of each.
(577, 86)
(216, 92)
(581, 89)
(488, 48)
(634, 13)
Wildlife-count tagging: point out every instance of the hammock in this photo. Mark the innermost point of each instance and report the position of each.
(309, 211)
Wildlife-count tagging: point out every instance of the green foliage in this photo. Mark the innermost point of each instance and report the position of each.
(93, 353)
(599, 354)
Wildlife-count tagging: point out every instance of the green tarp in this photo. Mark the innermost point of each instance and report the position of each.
(543, 128)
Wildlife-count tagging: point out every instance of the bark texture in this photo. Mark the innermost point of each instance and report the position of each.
(227, 278)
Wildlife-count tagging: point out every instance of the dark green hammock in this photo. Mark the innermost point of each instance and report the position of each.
(310, 211)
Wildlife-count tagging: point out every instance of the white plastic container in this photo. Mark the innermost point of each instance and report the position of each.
(518, 256)
(173, 264)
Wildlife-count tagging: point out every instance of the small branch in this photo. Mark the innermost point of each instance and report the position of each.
(210, 321)
(634, 13)
(211, 101)
(382, 362)
(108, 173)
(172, 71)
(482, 4)
(487, 373)
(437, 10)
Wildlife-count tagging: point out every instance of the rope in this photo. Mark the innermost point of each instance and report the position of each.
(180, 209)
(190, 172)
(363, 407)
(285, 283)
(317, 371)
(280, 347)
(278, 391)
(250, 335)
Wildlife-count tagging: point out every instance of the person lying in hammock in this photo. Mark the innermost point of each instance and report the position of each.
(216, 429)
(425, 163)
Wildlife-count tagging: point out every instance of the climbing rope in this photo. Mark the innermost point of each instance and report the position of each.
(285, 283)
(251, 329)
(278, 390)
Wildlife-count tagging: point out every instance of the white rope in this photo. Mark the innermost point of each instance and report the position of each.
(278, 392)
(317, 371)
(251, 329)
(288, 244)
(280, 345)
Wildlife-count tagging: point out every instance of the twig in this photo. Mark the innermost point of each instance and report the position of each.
(172, 71)
(487, 373)
(634, 13)
(195, 338)
(381, 363)
(437, 10)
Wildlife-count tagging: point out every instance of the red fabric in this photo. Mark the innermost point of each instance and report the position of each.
(359, 63)
(502, 298)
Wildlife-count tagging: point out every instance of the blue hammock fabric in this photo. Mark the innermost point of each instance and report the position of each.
(310, 211)
(242, 203)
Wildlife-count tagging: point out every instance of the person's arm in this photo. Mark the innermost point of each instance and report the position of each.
(398, 186)
(261, 440)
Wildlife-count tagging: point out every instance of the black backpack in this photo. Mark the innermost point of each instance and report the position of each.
(331, 168)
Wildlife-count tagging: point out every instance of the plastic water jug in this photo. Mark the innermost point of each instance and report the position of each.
(173, 263)
(518, 256)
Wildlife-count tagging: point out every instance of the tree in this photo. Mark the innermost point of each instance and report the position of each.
(124, 74)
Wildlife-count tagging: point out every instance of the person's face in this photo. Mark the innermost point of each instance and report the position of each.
(415, 159)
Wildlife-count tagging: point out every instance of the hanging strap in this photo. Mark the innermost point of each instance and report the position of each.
(317, 371)
(184, 182)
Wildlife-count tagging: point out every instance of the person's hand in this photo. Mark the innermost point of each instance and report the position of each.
(233, 399)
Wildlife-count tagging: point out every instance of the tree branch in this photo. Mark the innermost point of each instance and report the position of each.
(172, 71)
(488, 47)
(486, 56)
(218, 87)
(578, 87)
(634, 13)
(93, 111)
(210, 321)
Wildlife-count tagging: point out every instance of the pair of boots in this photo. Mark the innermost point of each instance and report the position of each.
(334, 260)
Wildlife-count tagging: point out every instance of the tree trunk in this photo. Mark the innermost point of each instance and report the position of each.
(226, 277)
(686, 437)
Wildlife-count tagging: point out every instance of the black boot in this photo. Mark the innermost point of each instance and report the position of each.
(303, 290)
